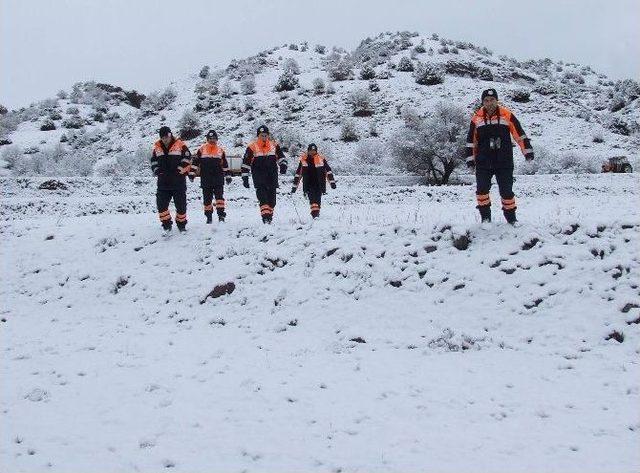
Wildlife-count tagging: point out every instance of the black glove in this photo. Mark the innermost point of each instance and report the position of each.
(293, 190)
(471, 164)
(228, 179)
(333, 185)
(529, 157)
(192, 178)
(283, 168)
(245, 181)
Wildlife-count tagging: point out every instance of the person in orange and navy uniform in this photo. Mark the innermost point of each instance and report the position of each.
(490, 151)
(314, 170)
(210, 163)
(262, 159)
(171, 162)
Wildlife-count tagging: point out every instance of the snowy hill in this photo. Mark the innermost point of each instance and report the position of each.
(395, 334)
(573, 112)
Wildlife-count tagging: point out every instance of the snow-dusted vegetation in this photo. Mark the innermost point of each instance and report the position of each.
(334, 97)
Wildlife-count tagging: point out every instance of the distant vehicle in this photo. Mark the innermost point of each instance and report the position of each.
(235, 164)
(617, 164)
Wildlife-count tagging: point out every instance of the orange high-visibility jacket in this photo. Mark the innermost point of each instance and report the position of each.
(261, 159)
(210, 163)
(314, 172)
(171, 164)
(489, 138)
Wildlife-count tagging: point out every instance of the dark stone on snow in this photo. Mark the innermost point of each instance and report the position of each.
(357, 340)
(53, 185)
(462, 242)
(615, 335)
(628, 306)
(530, 244)
(219, 291)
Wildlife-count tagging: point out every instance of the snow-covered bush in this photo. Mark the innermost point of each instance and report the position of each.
(598, 137)
(629, 89)
(545, 88)
(55, 115)
(62, 94)
(373, 86)
(405, 65)
(369, 154)
(367, 72)
(248, 85)
(73, 122)
(289, 138)
(12, 156)
(547, 162)
(73, 110)
(621, 127)
(617, 103)
(360, 101)
(291, 65)
(571, 76)
(286, 81)
(107, 167)
(227, 90)
(207, 86)
(330, 89)
(157, 101)
(419, 48)
(204, 72)
(520, 95)
(290, 106)
(189, 126)
(348, 131)
(8, 123)
(467, 69)
(47, 125)
(428, 74)
(340, 69)
(320, 49)
(434, 147)
(318, 86)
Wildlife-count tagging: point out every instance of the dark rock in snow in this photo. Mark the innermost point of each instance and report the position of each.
(53, 185)
(615, 335)
(462, 242)
(219, 291)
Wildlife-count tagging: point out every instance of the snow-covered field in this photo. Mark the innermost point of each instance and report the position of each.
(374, 339)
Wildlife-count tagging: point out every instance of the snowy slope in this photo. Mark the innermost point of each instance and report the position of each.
(575, 108)
(365, 341)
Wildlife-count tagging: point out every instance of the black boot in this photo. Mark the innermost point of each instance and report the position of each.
(485, 213)
(182, 227)
(166, 226)
(221, 215)
(209, 217)
(315, 214)
(510, 216)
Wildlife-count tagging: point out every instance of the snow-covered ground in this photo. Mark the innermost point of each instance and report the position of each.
(371, 340)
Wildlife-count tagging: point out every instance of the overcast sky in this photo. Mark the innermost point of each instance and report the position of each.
(47, 45)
